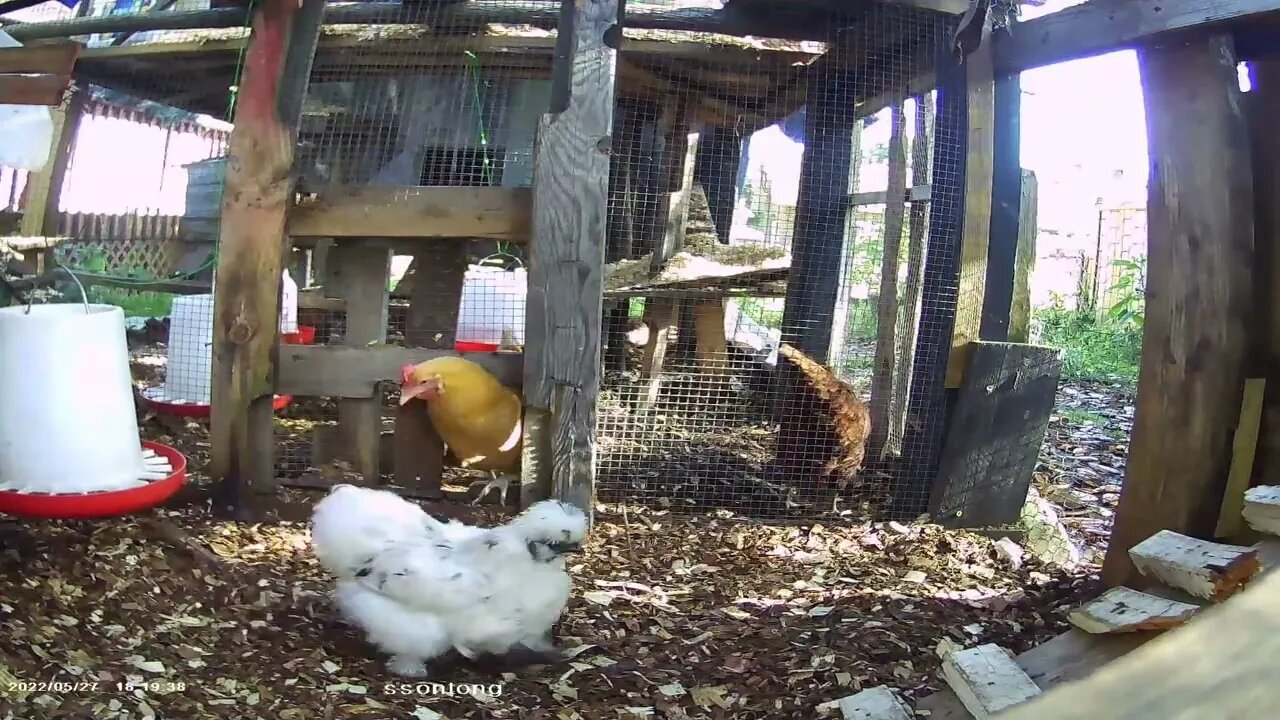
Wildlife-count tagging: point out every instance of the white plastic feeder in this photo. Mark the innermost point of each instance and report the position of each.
(67, 419)
(189, 367)
(493, 302)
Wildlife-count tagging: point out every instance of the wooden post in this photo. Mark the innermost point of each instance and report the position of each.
(1006, 194)
(914, 290)
(1025, 260)
(44, 189)
(977, 212)
(818, 243)
(1263, 108)
(360, 270)
(570, 198)
(840, 318)
(1199, 297)
(719, 157)
(927, 401)
(258, 192)
(887, 312)
(674, 178)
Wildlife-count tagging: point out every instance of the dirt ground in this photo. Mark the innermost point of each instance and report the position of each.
(174, 614)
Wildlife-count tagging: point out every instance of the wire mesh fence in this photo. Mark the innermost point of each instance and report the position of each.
(768, 300)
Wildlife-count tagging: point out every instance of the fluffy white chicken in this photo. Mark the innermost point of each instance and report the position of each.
(418, 586)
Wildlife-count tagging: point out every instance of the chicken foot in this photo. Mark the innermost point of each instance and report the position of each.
(407, 666)
(501, 482)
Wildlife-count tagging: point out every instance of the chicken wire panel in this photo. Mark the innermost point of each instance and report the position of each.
(749, 213)
(415, 97)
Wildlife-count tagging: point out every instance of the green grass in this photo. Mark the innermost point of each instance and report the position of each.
(1080, 417)
(1093, 348)
(135, 304)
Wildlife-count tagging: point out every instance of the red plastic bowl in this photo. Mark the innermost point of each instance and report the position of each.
(199, 410)
(101, 504)
(462, 346)
(306, 335)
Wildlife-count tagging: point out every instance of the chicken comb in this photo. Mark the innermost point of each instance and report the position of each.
(406, 373)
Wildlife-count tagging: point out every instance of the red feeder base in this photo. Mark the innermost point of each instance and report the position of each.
(101, 504)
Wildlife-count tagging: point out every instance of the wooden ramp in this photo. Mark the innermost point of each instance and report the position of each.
(1129, 666)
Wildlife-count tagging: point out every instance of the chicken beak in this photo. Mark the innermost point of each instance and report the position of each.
(425, 390)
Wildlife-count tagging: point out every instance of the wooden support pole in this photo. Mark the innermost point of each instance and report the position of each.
(914, 291)
(570, 200)
(277, 65)
(1006, 195)
(844, 301)
(1199, 298)
(1263, 107)
(1024, 260)
(977, 210)
(927, 401)
(887, 312)
(360, 271)
(719, 157)
(44, 189)
(817, 246)
(674, 179)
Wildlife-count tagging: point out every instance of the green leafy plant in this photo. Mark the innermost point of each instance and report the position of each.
(1129, 289)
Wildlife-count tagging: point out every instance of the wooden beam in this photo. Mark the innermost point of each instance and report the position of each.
(53, 58)
(1199, 299)
(917, 194)
(1244, 448)
(1203, 569)
(928, 399)
(1262, 105)
(1095, 28)
(570, 190)
(987, 680)
(882, 369)
(913, 291)
(33, 89)
(975, 241)
(1025, 259)
(1222, 665)
(351, 372)
(1122, 610)
(1006, 196)
(44, 189)
(716, 170)
(361, 274)
(491, 213)
(253, 244)
(844, 302)
(662, 316)
(673, 179)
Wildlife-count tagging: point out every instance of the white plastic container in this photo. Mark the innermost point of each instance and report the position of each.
(189, 369)
(68, 422)
(493, 301)
(288, 303)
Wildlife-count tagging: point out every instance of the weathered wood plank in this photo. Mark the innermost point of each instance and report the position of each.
(712, 346)
(350, 372)
(1006, 195)
(716, 170)
(845, 303)
(918, 193)
(997, 426)
(258, 192)
(361, 272)
(887, 311)
(877, 703)
(662, 316)
(913, 291)
(1208, 570)
(1101, 27)
(570, 191)
(673, 179)
(52, 58)
(987, 680)
(1025, 261)
(979, 169)
(33, 89)
(1200, 293)
(1244, 446)
(1220, 666)
(1262, 509)
(491, 213)
(44, 189)
(1263, 107)
(1122, 610)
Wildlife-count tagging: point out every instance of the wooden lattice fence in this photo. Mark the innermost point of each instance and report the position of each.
(140, 245)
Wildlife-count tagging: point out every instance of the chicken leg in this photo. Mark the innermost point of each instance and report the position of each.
(501, 482)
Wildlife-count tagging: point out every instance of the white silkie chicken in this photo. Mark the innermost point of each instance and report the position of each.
(418, 586)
